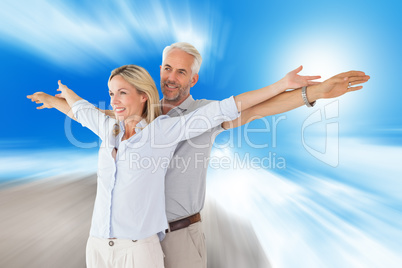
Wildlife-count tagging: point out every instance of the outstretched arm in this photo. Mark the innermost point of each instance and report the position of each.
(49, 101)
(59, 103)
(87, 114)
(291, 81)
(333, 87)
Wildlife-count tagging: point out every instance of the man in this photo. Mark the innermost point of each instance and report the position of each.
(185, 182)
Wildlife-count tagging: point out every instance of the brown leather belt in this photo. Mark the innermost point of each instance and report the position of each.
(183, 223)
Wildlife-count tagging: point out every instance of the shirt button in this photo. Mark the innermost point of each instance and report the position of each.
(111, 243)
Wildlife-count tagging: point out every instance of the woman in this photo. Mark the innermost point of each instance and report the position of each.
(129, 214)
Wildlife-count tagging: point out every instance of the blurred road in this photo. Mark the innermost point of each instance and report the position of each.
(46, 224)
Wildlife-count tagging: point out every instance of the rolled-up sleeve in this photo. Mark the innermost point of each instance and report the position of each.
(229, 108)
(77, 107)
(88, 116)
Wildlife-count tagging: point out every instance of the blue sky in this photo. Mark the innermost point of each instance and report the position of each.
(340, 174)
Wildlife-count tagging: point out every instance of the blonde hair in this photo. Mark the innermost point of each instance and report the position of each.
(144, 84)
(188, 48)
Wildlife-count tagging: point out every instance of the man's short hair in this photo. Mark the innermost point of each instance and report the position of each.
(188, 48)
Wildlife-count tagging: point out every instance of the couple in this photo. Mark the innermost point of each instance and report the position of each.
(133, 206)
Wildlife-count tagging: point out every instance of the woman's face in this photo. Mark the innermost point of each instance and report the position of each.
(125, 100)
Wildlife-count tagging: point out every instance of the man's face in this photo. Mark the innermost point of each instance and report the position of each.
(176, 75)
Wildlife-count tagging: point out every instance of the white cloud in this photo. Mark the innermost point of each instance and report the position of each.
(116, 32)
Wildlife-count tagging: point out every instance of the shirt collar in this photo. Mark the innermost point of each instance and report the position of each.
(182, 106)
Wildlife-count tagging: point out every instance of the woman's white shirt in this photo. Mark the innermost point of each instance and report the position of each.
(130, 199)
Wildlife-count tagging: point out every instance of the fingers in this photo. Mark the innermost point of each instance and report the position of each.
(60, 85)
(355, 88)
(352, 73)
(311, 83)
(40, 107)
(312, 77)
(298, 69)
(356, 82)
(357, 79)
(32, 98)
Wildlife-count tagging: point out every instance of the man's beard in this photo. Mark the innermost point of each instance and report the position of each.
(180, 94)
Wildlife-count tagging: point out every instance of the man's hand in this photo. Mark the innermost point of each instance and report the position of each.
(333, 87)
(41, 98)
(338, 85)
(292, 80)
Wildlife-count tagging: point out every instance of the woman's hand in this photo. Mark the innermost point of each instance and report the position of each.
(41, 98)
(292, 80)
(64, 91)
(62, 102)
(67, 94)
